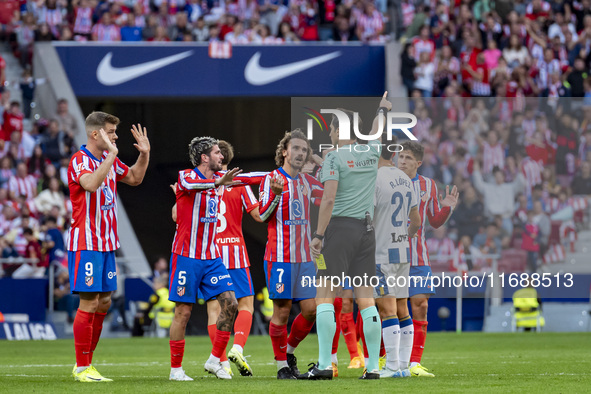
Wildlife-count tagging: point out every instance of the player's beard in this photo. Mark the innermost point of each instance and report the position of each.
(215, 167)
(297, 165)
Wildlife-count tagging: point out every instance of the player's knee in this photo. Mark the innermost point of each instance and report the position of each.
(232, 307)
(282, 314)
(182, 315)
(347, 305)
(309, 315)
(419, 308)
(103, 305)
(90, 305)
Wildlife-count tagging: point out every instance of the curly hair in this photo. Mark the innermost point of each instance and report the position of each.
(200, 146)
(289, 135)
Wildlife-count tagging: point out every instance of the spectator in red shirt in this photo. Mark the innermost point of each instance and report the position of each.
(530, 243)
(33, 248)
(13, 120)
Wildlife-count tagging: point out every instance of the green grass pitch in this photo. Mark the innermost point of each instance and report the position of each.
(469, 362)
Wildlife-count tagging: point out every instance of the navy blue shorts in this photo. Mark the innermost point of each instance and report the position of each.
(423, 284)
(285, 280)
(242, 283)
(188, 276)
(92, 272)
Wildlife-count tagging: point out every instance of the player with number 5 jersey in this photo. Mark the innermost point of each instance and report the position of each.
(195, 262)
(230, 242)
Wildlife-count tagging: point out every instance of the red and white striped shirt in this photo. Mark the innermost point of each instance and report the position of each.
(26, 186)
(83, 23)
(370, 25)
(429, 209)
(492, 156)
(106, 32)
(288, 216)
(421, 46)
(408, 14)
(197, 200)
(94, 216)
(230, 239)
(532, 172)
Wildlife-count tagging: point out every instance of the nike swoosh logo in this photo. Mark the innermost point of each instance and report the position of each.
(257, 75)
(110, 76)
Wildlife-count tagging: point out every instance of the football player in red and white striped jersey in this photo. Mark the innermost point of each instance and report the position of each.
(230, 242)
(93, 174)
(196, 264)
(285, 197)
(430, 209)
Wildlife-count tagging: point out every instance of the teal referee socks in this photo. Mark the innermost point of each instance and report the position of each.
(326, 326)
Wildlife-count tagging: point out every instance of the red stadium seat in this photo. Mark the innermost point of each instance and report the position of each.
(513, 260)
(555, 233)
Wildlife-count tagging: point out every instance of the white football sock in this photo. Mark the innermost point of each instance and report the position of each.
(334, 358)
(290, 349)
(281, 364)
(239, 348)
(406, 340)
(213, 359)
(391, 336)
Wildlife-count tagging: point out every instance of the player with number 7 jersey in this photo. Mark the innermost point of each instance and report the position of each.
(285, 197)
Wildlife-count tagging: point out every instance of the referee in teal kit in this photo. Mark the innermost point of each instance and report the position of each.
(344, 223)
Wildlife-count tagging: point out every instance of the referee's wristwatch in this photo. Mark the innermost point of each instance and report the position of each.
(316, 235)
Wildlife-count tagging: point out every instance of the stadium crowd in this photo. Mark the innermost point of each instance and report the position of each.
(502, 100)
(234, 21)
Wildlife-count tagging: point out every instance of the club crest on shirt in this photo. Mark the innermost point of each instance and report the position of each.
(180, 291)
(89, 280)
(303, 190)
(279, 287)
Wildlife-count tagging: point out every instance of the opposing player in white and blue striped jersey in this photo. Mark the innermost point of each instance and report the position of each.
(395, 203)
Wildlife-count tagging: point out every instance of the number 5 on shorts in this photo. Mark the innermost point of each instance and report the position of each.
(182, 278)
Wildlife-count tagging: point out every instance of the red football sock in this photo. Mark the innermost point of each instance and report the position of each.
(359, 326)
(338, 306)
(382, 349)
(177, 349)
(242, 327)
(211, 329)
(278, 336)
(221, 341)
(83, 337)
(300, 328)
(350, 333)
(97, 328)
(418, 344)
